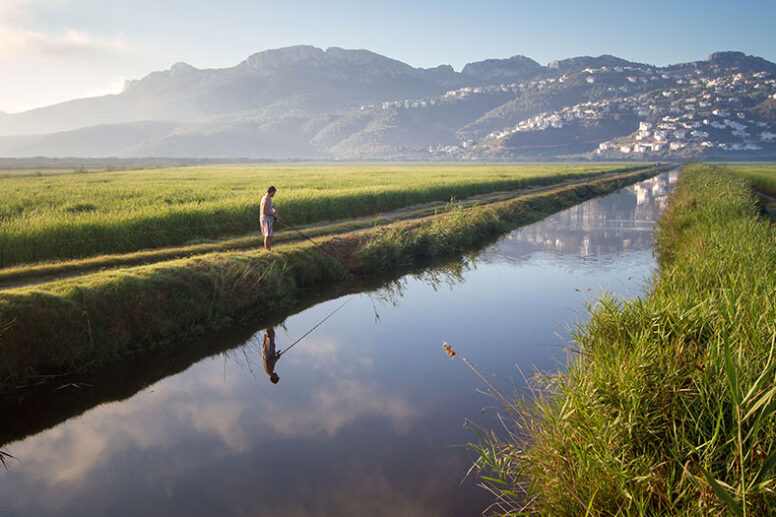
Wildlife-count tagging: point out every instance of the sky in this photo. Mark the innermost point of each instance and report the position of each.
(56, 50)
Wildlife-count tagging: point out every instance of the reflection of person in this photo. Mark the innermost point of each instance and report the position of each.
(269, 355)
(269, 215)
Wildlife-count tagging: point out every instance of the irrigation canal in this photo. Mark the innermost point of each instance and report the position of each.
(367, 416)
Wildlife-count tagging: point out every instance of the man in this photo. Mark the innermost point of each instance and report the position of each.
(268, 216)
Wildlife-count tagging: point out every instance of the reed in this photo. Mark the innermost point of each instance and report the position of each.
(4, 458)
(668, 406)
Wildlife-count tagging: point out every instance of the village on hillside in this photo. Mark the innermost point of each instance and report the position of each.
(663, 114)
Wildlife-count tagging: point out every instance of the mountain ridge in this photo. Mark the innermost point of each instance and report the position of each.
(307, 102)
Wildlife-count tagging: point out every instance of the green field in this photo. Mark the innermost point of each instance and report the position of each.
(55, 217)
(16, 173)
(762, 175)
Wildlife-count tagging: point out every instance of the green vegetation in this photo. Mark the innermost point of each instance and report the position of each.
(37, 272)
(668, 408)
(57, 217)
(48, 166)
(82, 322)
(761, 175)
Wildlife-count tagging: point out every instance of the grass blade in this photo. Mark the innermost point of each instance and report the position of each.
(731, 373)
(722, 493)
(4, 457)
(769, 464)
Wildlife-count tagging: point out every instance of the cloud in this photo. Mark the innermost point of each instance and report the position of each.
(54, 58)
(115, 86)
(12, 10)
(17, 43)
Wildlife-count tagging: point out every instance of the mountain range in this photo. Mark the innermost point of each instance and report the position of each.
(303, 102)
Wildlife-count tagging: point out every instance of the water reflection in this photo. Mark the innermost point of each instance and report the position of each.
(448, 274)
(216, 423)
(363, 421)
(269, 355)
(593, 230)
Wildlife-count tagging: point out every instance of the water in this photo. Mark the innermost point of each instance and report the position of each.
(366, 418)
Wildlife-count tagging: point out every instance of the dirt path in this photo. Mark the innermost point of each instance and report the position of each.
(29, 275)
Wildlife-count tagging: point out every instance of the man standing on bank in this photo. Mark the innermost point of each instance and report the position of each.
(269, 215)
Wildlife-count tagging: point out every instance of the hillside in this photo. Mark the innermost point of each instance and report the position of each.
(307, 103)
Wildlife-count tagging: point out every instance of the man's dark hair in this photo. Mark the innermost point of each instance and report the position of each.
(271, 189)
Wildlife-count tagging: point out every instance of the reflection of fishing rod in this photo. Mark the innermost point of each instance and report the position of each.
(315, 327)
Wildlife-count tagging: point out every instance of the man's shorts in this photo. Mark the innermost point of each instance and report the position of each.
(266, 226)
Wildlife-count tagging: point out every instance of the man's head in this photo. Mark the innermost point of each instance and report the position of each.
(271, 191)
(274, 378)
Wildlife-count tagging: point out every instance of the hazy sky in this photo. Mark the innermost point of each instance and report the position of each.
(54, 50)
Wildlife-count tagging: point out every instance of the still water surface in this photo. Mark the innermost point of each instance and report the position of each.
(366, 418)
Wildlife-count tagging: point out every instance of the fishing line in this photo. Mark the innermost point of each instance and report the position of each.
(315, 327)
(309, 239)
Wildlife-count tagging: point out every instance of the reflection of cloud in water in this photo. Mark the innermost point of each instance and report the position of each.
(328, 354)
(378, 497)
(328, 411)
(345, 398)
(201, 404)
(67, 453)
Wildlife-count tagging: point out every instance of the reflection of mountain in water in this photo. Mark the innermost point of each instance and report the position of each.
(595, 229)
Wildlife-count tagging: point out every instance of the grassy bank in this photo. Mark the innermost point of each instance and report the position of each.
(668, 408)
(82, 215)
(71, 324)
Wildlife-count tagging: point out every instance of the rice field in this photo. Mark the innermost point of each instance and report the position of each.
(11, 173)
(54, 217)
(762, 175)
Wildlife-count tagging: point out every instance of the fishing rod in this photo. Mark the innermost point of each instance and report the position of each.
(297, 230)
(332, 313)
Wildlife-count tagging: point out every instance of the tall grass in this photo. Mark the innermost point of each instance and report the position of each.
(668, 407)
(73, 216)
